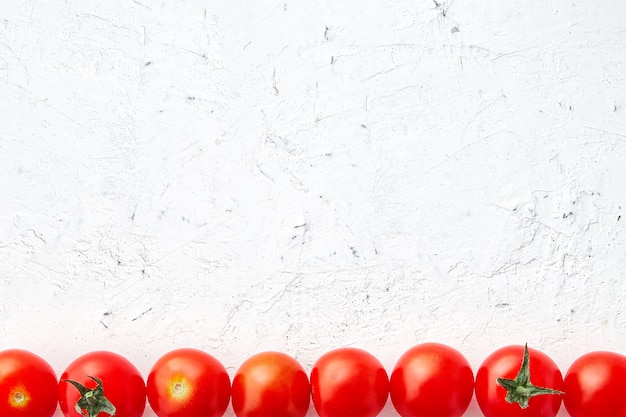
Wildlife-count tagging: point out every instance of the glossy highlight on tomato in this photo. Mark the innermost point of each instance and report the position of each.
(188, 382)
(594, 385)
(433, 380)
(271, 384)
(28, 385)
(123, 384)
(506, 363)
(349, 382)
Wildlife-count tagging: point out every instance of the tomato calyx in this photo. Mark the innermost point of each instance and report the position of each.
(520, 390)
(92, 401)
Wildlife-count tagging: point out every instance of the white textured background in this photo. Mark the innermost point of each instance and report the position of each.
(304, 175)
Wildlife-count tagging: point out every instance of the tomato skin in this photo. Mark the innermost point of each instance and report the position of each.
(122, 382)
(594, 385)
(349, 382)
(188, 382)
(28, 385)
(505, 363)
(271, 384)
(431, 380)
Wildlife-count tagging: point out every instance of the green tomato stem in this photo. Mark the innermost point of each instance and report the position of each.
(520, 390)
(92, 401)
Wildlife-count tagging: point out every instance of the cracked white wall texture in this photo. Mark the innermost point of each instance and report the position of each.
(305, 175)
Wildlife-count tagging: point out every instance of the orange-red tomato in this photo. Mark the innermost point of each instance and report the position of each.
(433, 380)
(188, 382)
(349, 382)
(594, 385)
(28, 385)
(271, 384)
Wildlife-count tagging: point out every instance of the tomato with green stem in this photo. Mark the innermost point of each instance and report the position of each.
(504, 387)
(188, 382)
(102, 383)
(594, 385)
(431, 379)
(28, 385)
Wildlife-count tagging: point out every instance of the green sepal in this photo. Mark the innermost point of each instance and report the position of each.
(520, 390)
(92, 401)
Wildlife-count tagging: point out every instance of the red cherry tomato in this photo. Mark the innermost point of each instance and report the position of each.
(188, 382)
(594, 385)
(123, 385)
(349, 382)
(431, 380)
(271, 384)
(506, 363)
(28, 385)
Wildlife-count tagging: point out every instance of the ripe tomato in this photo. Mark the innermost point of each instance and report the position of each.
(27, 385)
(271, 384)
(349, 382)
(507, 363)
(594, 385)
(432, 380)
(188, 382)
(122, 383)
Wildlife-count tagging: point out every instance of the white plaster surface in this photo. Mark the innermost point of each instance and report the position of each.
(305, 175)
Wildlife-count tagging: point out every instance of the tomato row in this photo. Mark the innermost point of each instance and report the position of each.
(430, 379)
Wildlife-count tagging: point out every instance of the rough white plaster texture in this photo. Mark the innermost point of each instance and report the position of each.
(305, 175)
